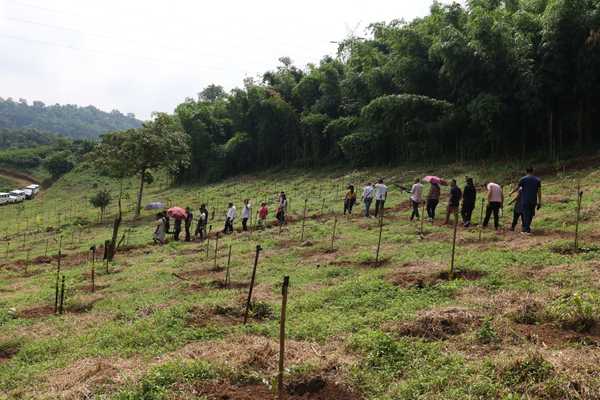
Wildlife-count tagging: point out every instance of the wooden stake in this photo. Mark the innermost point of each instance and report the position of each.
(322, 206)
(284, 295)
(93, 268)
(208, 241)
(216, 250)
(56, 294)
(481, 219)
(422, 219)
(62, 296)
(227, 277)
(303, 220)
(333, 231)
(258, 250)
(379, 242)
(453, 246)
(579, 197)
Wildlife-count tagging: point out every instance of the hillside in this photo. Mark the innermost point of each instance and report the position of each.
(69, 120)
(519, 319)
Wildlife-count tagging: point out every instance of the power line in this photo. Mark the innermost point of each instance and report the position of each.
(83, 49)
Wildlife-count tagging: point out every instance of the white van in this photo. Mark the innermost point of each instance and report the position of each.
(4, 198)
(19, 195)
(34, 188)
(28, 193)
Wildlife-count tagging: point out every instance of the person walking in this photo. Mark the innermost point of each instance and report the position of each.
(202, 222)
(246, 214)
(188, 223)
(433, 198)
(282, 209)
(453, 202)
(262, 215)
(517, 210)
(416, 197)
(381, 191)
(495, 198)
(367, 198)
(531, 198)
(349, 200)
(468, 203)
(229, 218)
(160, 231)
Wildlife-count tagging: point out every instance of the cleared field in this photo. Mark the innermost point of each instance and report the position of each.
(518, 320)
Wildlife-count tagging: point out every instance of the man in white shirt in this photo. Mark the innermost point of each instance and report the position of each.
(367, 198)
(246, 214)
(495, 198)
(231, 214)
(416, 197)
(380, 197)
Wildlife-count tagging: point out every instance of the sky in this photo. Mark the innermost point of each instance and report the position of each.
(140, 56)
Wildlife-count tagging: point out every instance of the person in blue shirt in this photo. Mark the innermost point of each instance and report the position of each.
(531, 198)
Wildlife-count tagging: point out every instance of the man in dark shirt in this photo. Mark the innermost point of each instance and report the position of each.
(468, 204)
(531, 198)
(453, 202)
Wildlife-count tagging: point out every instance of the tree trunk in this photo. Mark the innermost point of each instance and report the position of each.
(551, 135)
(580, 137)
(138, 207)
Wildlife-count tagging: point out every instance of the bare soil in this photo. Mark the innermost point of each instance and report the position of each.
(423, 274)
(439, 324)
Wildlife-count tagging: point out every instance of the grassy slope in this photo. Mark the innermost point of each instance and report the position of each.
(506, 329)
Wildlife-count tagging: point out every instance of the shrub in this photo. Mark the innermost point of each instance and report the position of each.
(575, 311)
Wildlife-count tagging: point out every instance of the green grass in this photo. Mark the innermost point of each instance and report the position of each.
(342, 306)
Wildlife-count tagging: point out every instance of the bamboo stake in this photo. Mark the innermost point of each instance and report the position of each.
(579, 198)
(481, 219)
(227, 277)
(258, 250)
(333, 232)
(62, 296)
(453, 246)
(284, 295)
(216, 250)
(379, 242)
(303, 220)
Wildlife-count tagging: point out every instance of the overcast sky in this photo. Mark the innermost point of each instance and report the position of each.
(142, 56)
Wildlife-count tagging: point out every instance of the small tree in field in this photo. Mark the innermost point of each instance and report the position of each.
(101, 200)
(159, 144)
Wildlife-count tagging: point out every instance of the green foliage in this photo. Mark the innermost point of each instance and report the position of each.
(59, 164)
(101, 200)
(576, 311)
(24, 137)
(486, 334)
(68, 120)
(359, 148)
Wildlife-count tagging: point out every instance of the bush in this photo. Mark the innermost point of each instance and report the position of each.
(359, 148)
(575, 311)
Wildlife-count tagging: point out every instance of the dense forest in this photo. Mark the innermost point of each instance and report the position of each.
(25, 137)
(68, 120)
(490, 80)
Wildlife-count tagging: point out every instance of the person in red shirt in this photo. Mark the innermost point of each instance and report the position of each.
(262, 215)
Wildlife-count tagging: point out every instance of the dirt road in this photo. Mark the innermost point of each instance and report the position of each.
(20, 179)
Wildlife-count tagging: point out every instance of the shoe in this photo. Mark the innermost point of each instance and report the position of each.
(526, 233)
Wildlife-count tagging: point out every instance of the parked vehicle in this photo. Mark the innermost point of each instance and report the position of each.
(28, 194)
(19, 195)
(34, 188)
(4, 198)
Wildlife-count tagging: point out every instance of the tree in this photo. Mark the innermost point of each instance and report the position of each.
(158, 144)
(58, 164)
(212, 93)
(101, 200)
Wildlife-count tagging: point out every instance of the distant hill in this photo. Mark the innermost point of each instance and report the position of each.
(68, 120)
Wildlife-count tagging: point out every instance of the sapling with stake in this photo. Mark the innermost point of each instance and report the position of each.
(379, 241)
(216, 250)
(62, 296)
(333, 231)
(303, 220)
(481, 219)
(227, 276)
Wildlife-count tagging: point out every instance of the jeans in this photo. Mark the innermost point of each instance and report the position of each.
(228, 226)
(368, 202)
(379, 207)
(516, 215)
(415, 210)
(431, 205)
(466, 213)
(493, 207)
(188, 236)
(245, 224)
(528, 214)
(201, 231)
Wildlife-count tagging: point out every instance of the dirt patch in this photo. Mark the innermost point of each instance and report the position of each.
(88, 377)
(439, 324)
(89, 289)
(36, 312)
(8, 349)
(314, 389)
(227, 315)
(375, 264)
(549, 335)
(422, 275)
(75, 307)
